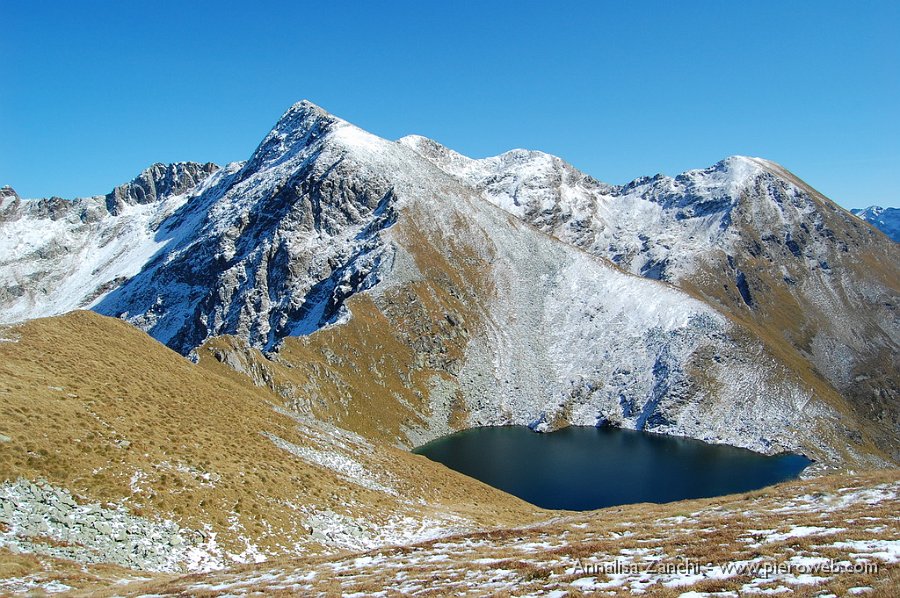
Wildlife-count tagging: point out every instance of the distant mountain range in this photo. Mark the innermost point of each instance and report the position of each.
(887, 220)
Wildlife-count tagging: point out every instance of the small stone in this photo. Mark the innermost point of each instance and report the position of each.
(36, 527)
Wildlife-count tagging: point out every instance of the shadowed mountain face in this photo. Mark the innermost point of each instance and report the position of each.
(732, 304)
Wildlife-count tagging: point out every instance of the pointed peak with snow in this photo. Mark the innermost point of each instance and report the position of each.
(301, 124)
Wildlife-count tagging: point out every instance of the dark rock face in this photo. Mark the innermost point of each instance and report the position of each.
(744, 288)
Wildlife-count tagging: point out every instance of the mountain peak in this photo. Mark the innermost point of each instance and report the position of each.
(301, 124)
(742, 166)
(726, 177)
(304, 112)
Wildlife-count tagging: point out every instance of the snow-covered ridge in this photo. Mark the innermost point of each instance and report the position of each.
(653, 226)
(57, 255)
(312, 198)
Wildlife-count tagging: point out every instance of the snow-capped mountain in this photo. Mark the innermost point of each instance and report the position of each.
(746, 235)
(268, 249)
(478, 292)
(887, 220)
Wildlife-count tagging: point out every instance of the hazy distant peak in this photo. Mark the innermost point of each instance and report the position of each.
(887, 220)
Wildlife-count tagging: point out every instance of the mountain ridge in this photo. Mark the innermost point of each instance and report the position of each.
(322, 212)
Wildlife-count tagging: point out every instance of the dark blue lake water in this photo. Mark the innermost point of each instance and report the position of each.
(582, 468)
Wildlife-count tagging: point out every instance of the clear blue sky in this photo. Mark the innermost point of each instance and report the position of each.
(93, 92)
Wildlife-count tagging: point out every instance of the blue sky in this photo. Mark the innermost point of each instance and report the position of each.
(93, 92)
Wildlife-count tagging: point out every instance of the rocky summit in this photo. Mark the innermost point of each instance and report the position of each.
(268, 338)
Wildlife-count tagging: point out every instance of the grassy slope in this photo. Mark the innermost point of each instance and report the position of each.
(89, 402)
(373, 374)
(539, 558)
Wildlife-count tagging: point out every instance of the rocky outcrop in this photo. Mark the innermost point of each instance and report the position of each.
(158, 182)
(7, 192)
(43, 519)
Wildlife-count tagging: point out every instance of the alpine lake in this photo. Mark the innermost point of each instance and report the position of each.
(583, 468)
